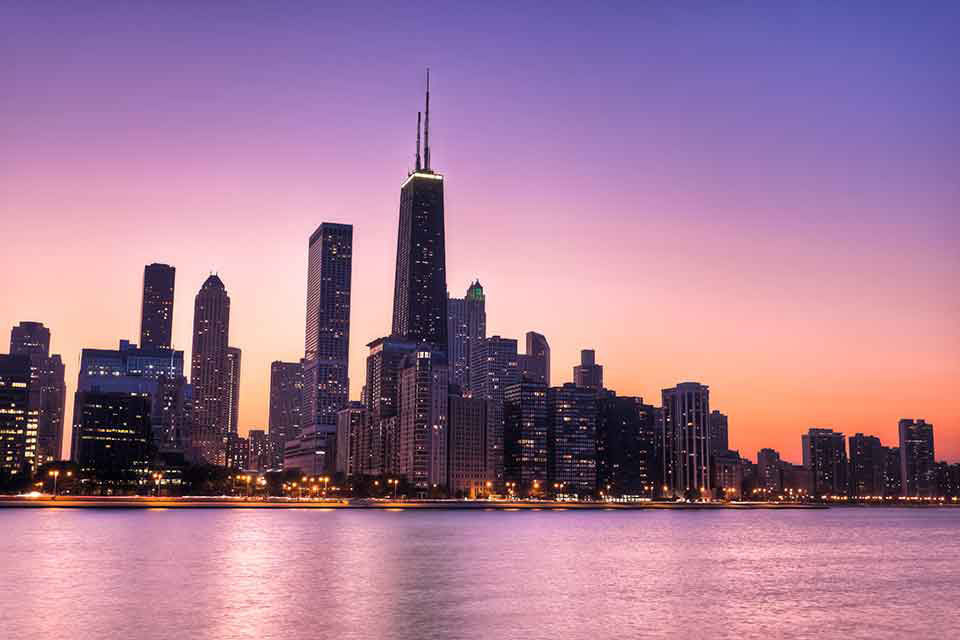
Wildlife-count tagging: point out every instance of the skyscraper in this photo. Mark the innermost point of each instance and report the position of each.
(378, 444)
(467, 325)
(466, 446)
(825, 455)
(47, 387)
(719, 432)
(535, 363)
(493, 369)
(156, 310)
(420, 286)
(286, 399)
(867, 460)
(588, 373)
(422, 438)
(18, 426)
(917, 472)
(571, 440)
(525, 431)
(233, 388)
(769, 474)
(626, 429)
(209, 370)
(327, 344)
(685, 441)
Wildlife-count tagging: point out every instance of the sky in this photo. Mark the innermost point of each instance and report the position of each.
(759, 197)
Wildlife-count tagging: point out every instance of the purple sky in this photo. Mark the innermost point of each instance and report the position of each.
(758, 197)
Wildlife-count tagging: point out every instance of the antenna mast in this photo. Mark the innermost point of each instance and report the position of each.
(426, 128)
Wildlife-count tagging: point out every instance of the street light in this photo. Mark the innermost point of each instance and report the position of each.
(54, 474)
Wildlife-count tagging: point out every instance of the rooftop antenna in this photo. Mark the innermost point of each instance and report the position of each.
(418, 141)
(426, 128)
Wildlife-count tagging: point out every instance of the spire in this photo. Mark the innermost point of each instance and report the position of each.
(418, 142)
(426, 128)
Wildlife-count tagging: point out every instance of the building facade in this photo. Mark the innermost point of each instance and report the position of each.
(467, 325)
(493, 369)
(571, 440)
(867, 460)
(626, 447)
(466, 446)
(917, 472)
(47, 387)
(685, 441)
(535, 363)
(422, 437)
(327, 343)
(209, 373)
(825, 455)
(525, 431)
(588, 373)
(156, 307)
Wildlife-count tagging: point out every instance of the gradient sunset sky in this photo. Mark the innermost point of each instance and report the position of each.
(758, 197)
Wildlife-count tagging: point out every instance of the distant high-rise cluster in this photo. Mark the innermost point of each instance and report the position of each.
(446, 409)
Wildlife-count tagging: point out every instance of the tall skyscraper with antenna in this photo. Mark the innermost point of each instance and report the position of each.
(420, 287)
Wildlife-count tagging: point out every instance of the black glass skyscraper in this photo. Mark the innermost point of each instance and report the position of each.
(420, 288)
(156, 311)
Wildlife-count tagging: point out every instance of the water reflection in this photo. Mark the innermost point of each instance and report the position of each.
(151, 574)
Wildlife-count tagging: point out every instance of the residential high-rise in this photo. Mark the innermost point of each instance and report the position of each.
(892, 480)
(420, 286)
(209, 370)
(18, 424)
(917, 472)
(467, 325)
(47, 387)
(286, 401)
(525, 431)
(466, 446)
(535, 363)
(588, 373)
(685, 441)
(728, 474)
(261, 454)
(350, 426)
(826, 458)
(378, 445)
(719, 432)
(769, 472)
(327, 346)
(626, 432)
(422, 439)
(233, 388)
(156, 309)
(571, 440)
(494, 368)
(867, 460)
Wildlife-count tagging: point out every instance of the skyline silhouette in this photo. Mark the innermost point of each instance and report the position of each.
(781, 229)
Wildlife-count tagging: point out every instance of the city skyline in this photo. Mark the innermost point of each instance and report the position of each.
(838, 362)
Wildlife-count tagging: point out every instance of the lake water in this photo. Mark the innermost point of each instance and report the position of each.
(144, 575)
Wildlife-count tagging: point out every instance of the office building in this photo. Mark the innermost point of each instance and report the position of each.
(156, 308)
(535, 363)
(719, 432)
(47, 387)
(493, 369)
(327, 344)
(525, 430)
(467, 325)
(466, 446)
(571, 440)
(209, 372)
(588, 373)
(422, 439)
(18, 422)
(351, 422)
(420, 286)
(769, 476)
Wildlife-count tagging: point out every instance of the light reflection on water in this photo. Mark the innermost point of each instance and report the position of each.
(151, 574)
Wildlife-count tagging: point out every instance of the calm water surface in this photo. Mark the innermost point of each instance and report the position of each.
(852, 573)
